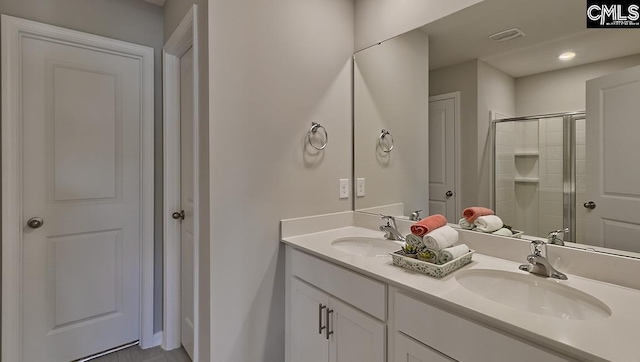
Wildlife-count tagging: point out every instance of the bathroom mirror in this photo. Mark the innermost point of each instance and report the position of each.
(391, 84)
(475, 80)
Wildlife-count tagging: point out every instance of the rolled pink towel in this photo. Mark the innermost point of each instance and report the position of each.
(428, 224)
(472, 213)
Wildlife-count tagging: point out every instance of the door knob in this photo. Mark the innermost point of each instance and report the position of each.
(449, 193)
(589, 205)
(178, 215)
(35, 222)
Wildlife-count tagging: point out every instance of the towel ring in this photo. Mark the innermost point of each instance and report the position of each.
(383, 134)
(314, 128)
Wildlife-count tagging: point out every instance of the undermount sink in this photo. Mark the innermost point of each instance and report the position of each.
(363, 246)
(533, 294)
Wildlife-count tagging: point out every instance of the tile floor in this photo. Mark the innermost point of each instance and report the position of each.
(156, 354)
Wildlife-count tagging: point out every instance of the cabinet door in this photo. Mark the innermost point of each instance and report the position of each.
(408, 350)
(308, 340)
(356, 336)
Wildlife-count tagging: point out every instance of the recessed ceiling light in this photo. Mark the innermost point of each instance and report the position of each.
(567, 56)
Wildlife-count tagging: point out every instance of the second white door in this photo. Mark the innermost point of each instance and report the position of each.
(186, 201)
(442, 156)
(612, 202)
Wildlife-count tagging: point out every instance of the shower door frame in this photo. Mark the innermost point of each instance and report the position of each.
(568, 165)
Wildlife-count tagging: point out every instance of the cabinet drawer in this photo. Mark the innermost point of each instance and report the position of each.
(353, 288)
(406, 349)
(459, 338)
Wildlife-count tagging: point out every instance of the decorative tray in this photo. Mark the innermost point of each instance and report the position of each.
(516, 233)
(431, 269)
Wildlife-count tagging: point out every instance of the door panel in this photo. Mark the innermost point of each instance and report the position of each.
(356, 336)
(442, 158)
(186, 200)
(308, 341)
(81, 112)
(613, 182)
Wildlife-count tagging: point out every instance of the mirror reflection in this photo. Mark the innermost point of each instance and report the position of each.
(543, 165)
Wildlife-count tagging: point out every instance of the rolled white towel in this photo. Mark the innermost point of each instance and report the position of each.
(437, 255)
(453, 252)
(465, 224)
(440, 238)
(503, 232)
(414, 240)
(488, 223)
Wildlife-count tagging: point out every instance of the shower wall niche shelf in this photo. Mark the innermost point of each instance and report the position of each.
(526, 179)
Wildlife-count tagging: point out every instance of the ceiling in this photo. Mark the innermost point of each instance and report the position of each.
(551, 27)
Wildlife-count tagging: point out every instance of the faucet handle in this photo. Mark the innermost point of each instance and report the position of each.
(415, 216)
(390, 219)
(554, 234)
(537, 248)
(387, 217)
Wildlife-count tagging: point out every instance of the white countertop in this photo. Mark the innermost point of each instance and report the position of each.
(616, 338)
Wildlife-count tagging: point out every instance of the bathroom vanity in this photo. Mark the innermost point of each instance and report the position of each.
(346, 301)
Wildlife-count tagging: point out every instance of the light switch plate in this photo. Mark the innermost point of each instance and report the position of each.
(360, 187)
(344, 188)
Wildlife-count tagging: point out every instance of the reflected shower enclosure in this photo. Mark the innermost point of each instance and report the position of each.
(539, 171)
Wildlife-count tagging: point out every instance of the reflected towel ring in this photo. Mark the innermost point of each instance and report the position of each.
(383, 134)
(314, 128)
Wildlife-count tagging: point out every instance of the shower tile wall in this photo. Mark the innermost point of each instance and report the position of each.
(551, 178)
(505, 172)
(529, 175)
(526, 161)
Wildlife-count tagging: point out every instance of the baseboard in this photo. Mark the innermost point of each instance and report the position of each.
(157, 339)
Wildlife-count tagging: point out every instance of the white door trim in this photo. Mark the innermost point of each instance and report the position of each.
(493, 115)
(456, 123)
(184, 37)
(13, 31)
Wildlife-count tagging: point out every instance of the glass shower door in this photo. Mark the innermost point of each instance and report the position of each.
(539, 173)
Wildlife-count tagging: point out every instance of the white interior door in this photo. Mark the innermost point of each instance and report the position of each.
(186, 200)
(81, 114)
(613, 177)
(442, 157)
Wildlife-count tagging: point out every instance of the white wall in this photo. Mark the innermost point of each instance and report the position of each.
(174, 12)
(391, 92)
(134, 21)
(563, 90)
(273, 68)
(378, 20)
(496, 92)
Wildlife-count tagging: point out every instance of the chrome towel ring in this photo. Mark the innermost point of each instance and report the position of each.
(312, 131)
(381, 141)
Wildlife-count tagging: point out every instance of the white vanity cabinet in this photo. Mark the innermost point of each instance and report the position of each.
(450, 337)
(337, 315)
(323, 327)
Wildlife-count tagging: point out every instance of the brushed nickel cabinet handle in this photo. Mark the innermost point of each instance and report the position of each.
(320, 326)
(327, 321)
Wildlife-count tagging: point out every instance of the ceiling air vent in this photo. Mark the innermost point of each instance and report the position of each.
(508, 34)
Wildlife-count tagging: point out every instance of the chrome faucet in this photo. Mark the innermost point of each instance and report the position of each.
(415, 216)
(538, 262)
(390, 232)
(553, 238)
